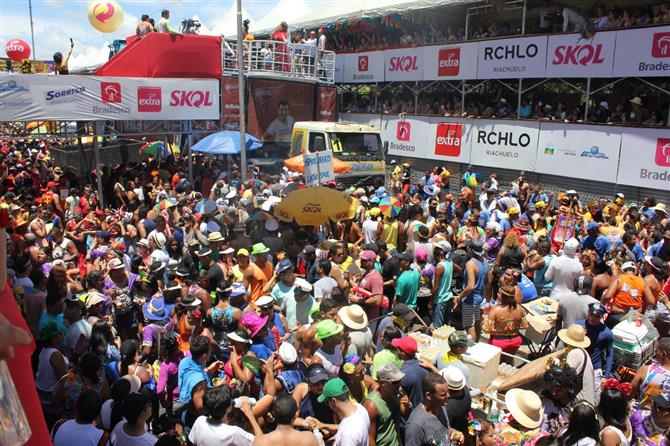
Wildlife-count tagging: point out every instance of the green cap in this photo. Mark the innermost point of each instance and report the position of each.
(327, 328)
(259, 248)
(332, 389)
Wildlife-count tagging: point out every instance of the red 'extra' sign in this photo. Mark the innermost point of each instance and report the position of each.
(448, 139)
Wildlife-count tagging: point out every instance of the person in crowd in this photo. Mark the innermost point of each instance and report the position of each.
(628, 291)
(613, 410)
(576, 342)
(81, 430)
(564, 269)
(653, 379)
(429, 422)
(472, 296)
(583, 426)
(504, 321)
(385, 406)
(574, 305)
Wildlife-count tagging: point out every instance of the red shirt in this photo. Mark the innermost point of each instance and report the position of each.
(24, 382)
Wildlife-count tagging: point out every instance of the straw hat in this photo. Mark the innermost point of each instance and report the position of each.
(636, 100)
(354, 317)
(575, 336)
(525, 406)
(661, 208)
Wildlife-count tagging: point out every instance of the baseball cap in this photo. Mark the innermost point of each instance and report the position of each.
(406, 256)
(284, 265)
(243, 252)
(597, 307)
(287, 353)
(332, 389)
(458, 338)
(368, 255)
(327, 328)
(476, 246)
(263, 301)
(406, 344)
(389, 372)
(628, 266)
(317, 374)
(443, 245)
(592, 226)
(403, 311)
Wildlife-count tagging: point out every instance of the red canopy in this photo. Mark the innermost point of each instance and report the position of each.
(167, 55)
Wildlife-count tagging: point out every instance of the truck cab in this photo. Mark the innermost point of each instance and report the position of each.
(357, 145)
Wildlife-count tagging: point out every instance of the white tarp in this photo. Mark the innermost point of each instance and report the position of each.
(284, 11)
(35, 97)
(227, 24)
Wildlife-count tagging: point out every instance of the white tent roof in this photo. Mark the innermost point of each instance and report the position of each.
(203, 28)
(284, 11)
(352, 9)
(227, 24)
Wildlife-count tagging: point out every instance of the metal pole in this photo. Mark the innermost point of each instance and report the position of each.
(98, 172)
(467, 24)
(240, 84)
(190, 152)
(588, 99)
(377, 97)
(462, 97)
(32, 33)
(523, 19)
(518, 100)
(416, 97)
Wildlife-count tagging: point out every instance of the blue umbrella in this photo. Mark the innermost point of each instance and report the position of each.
(225, 143)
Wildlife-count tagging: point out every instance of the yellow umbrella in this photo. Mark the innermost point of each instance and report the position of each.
(315, 206)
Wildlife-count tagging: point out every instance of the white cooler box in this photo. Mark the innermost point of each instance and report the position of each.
(634, 344)
(482, 360)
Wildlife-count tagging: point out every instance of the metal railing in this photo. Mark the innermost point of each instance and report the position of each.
(294, 60)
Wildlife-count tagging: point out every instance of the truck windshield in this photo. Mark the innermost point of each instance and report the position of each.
(356, 144)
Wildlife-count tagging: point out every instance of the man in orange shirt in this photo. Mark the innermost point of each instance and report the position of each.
(259, 275)
(627, 292)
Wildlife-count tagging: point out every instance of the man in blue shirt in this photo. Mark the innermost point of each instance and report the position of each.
(601, 349)
(629, 242)
(662, 248)
(595, 241)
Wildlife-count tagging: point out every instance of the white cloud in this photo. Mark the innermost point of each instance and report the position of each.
(88, 56)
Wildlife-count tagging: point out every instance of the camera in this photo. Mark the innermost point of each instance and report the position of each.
(190, 26)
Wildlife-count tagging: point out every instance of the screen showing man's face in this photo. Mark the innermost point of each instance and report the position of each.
(283, 112)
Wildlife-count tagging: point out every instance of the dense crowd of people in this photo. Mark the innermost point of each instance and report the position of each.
(635, 111)
(186, 313)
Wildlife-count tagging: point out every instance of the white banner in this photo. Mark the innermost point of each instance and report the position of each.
(450, 61)
(339, 69)
(34, 97)
(362, 68)
(645, 158)
(319, 168)
(373, 119)
(407, 136)
(504, 144)
(523, 57)
(571, 55)
(642, 52)
(405, 64)
(583, 151)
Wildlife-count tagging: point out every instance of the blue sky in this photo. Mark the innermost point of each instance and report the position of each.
(55, 21)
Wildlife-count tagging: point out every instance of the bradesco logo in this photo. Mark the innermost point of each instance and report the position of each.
(363, 63)
(660, 46)
(149, 99)
(403, 63)
(110, 92)
(448, 61)
(403, 130)
(448, 139)
(584, 55)
(190, 98)
(663, 152)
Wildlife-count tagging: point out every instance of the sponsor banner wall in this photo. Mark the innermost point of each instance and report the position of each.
(450, 61)
(339, 68)
(36, 97)
(275, 105)
(589, 152)
(643, 52)
(645, 158)
(570, 55)
(504, 145)
(512, 58)
(405, 64)
(364, 67)
(407, 136)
